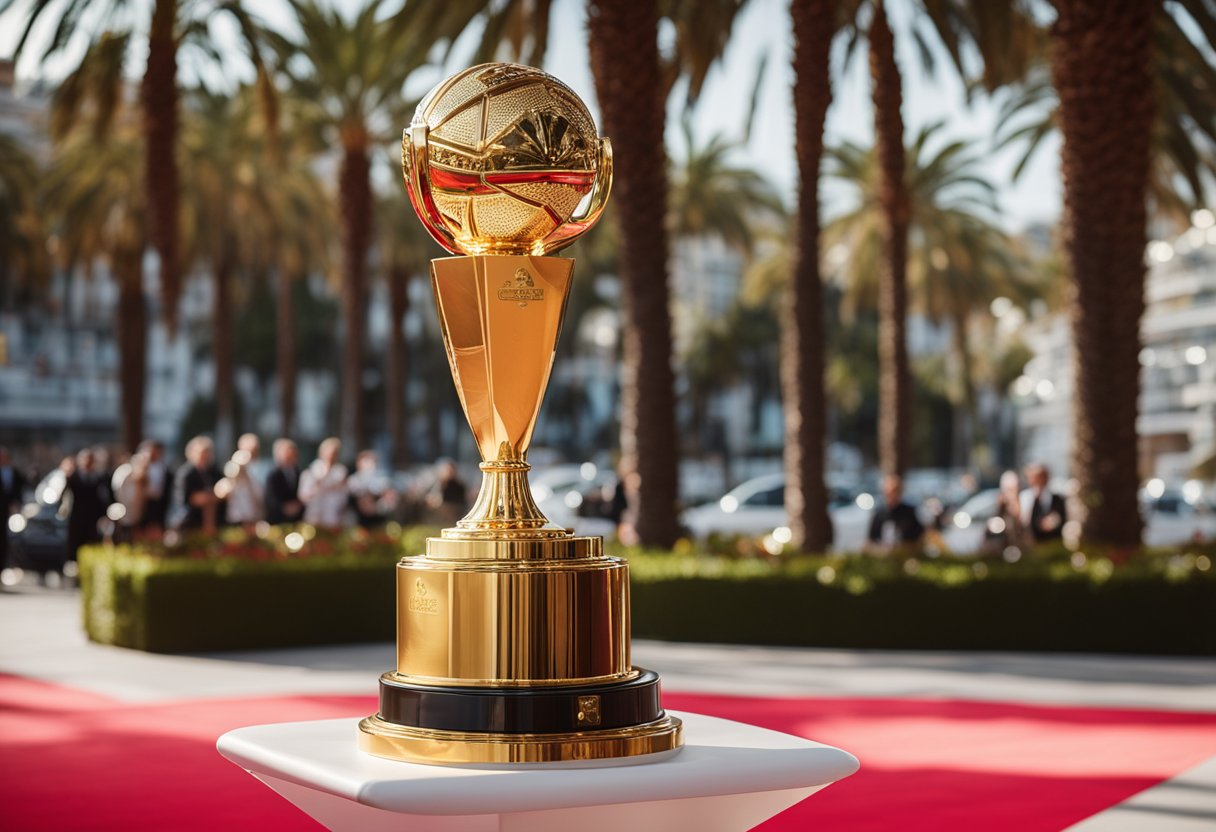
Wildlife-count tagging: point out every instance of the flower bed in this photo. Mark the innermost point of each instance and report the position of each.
(279, 590)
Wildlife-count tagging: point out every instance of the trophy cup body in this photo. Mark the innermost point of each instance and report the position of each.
(512, 632)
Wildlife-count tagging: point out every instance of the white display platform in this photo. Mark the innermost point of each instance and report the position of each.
(728, 777)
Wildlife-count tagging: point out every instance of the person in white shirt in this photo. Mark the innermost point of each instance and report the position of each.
(159, 484)
(244, 490)
(371, 492)
(323, 488)
(129, 484)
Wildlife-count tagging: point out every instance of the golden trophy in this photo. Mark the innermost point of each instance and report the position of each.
(512, 632)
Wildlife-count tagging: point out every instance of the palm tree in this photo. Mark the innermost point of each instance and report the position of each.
(252, 206)
(219, 210)
(959, 261)
(802, 328)
(1135, 109)
(1184, 130)
(711, 196)
(949, 21)
(1101, 63)
(402, 251)
(22, 236)
(625, 63)
(174, 25)
(295, 206)
(348, 76)
(895, 400)
(95, 196)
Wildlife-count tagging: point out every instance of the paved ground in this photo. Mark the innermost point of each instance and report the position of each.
(44, 641)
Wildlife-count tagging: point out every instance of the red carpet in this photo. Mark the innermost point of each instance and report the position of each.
(72, 760)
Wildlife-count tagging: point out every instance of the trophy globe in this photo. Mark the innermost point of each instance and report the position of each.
(498, 158)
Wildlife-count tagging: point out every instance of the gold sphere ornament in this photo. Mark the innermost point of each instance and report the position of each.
(505, 159)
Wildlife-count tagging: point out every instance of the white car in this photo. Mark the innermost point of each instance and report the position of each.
(559, 491)
(1169, 520)
(1174, 517)
(757, 507)
(964, 535)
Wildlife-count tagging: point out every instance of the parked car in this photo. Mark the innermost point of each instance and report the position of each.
(757, 507)
(964, 533)
(560, 491)
(1170, 519)
(1174, 516)
(38, 535)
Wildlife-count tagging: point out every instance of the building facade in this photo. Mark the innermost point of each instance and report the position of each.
(1177, 420)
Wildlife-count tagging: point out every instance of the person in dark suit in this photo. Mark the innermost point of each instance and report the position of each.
(90, 489)
(894, 524)
(1043, 511)
(12, 494)
(282, 496)
(449, 496)
(195, 504)
(156, 504)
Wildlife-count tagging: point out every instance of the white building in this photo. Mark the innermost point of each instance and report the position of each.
(1177, 421)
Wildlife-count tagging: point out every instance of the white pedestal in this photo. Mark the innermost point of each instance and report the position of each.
(729, 777)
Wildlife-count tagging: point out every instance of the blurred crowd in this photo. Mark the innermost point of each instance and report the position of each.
(143, 497)
(1025, 515)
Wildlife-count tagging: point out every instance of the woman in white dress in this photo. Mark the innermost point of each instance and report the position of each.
(323, 488)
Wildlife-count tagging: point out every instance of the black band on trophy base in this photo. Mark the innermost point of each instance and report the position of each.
(541, 710)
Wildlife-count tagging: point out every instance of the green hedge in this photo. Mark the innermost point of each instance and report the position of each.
(236, 594)
(1156, 602)
(232, 594)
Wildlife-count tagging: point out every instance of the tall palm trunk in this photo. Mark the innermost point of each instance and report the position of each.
(1100, 63)
(802, 341)
(628, 83)
(355, 195)
(285, 351)
(398, 364)
(131, 328)
(894, 389)
(159, 96)
(968, 416)
(221, 350)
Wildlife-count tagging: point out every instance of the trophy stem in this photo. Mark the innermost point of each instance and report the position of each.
(505, 508)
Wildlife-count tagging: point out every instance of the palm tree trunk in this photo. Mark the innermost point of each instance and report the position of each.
(398, 365)
(1101, 69)
(355, 195)
(285, 351)
(894, 389)
(802, 341)
(968, 417)
(130, 331)
(628, 81)
(159, 95)
(221, 350)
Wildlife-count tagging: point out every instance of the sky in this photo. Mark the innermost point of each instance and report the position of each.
(762, 29)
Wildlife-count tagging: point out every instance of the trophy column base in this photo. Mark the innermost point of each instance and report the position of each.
(599, 724)
(651, 742)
